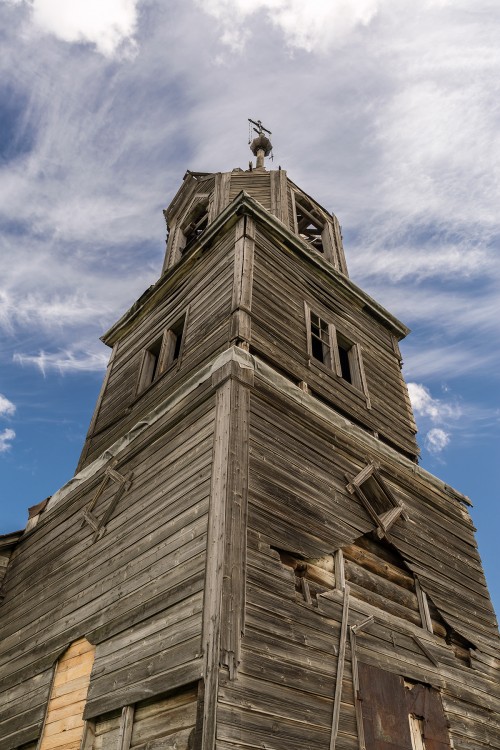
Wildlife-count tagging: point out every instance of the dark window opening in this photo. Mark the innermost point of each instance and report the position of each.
(162, 354)
(320, 340)
(154, 352)
(348, 361)
(377, 494)
(345, 366)
(195, 225)
(177, 331)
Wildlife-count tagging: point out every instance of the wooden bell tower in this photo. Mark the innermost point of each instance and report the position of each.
(249, 555)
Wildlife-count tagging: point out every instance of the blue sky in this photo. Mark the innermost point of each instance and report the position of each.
(387, 113)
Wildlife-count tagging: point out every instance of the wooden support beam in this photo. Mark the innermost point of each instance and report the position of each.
(223, 615)
(358, 706)
(88, 735)
(425, 650)
(126, 726)
(423, 607)
(339, 569)
(340, 670)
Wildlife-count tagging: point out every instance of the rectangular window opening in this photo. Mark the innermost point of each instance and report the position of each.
(195, 225)
(345, 366)
(177, 331)
(162, 354)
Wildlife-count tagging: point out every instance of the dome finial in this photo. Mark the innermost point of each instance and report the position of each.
(261, 146)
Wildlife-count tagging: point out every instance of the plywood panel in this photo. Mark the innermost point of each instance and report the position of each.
(63, 727)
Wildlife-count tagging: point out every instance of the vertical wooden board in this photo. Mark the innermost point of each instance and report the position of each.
(233, 594)
(215, 559)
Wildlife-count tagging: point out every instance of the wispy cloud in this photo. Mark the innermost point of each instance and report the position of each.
(7, 408)
(6, 438)
(64, 361)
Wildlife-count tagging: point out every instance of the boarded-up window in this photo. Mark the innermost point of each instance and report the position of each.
(166, 723)
(425, 703)
(63, 726)
(155, 724)
(398, 716)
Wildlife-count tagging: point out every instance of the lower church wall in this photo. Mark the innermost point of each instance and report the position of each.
(126, 590)
(283, 694)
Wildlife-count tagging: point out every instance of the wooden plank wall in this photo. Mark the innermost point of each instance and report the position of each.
(256, 184)
(144, 576)
(282, 283)
(206, 290)
(283, 695)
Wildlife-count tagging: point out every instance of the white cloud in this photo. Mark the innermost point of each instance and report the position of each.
(426, 406)
(436, 440)
(64, 361)
(6, 438)
(7, 408)
(304, 25)
(109, 24)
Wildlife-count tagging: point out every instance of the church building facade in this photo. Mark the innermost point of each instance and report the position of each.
(249, 555)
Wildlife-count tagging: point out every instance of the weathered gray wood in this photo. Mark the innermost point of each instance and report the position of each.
(340, 669)
(126, 726)
(88, 736)
(215, 561)
(355, 685)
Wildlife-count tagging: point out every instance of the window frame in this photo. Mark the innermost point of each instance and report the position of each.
(360, 486)
(337, 341)
(160, 356)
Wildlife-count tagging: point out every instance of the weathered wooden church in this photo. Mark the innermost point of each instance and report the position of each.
(249, 555)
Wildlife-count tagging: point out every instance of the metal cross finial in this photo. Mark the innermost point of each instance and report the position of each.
(259, 129)
(261, 146)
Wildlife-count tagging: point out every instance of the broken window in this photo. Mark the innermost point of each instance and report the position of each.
(194, 225)
(334, 350)
(376, 497)
(162, 353)
(310, 222)
(321, 341)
